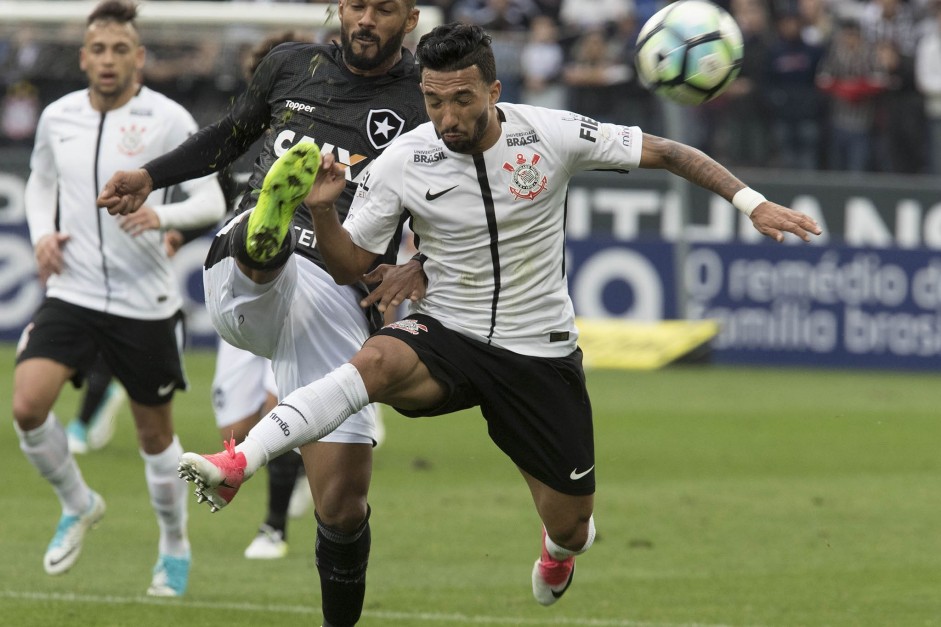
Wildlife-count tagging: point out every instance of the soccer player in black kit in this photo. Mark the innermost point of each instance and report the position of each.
(351, 100)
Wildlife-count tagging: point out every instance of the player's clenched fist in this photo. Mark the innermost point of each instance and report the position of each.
(126, 191)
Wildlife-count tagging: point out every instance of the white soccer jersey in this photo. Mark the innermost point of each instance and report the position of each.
(77, 150)
(493, 224)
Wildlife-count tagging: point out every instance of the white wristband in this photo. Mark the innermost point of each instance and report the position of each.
(746, 199)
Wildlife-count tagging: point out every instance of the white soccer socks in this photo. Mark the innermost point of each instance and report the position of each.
(560, 553)
(305, 415)
(168, 498)
(47, 449)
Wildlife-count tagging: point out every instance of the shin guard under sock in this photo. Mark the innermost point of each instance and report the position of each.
(342, 559)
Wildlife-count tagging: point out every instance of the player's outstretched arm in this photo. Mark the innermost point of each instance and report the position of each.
(768, 218)
(126, 191)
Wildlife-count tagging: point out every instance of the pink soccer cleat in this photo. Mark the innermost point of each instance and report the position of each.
(217, 477)
(551, 577)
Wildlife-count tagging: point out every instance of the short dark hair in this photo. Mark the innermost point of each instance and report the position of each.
(120, 11)
(456, 46)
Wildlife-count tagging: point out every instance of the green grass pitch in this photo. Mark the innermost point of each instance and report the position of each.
(733, 497)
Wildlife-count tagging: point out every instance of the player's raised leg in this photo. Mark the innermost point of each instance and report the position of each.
(285, 186)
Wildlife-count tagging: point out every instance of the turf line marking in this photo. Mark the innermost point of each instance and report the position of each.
(68, 597)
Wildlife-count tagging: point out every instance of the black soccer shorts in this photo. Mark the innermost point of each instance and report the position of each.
(537, 409)
(144, 355)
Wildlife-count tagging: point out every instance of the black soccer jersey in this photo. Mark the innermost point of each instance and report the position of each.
(304, 92)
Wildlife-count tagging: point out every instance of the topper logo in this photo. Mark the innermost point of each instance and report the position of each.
(300, 106)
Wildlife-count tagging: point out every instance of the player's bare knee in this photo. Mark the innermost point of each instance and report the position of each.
(375, 367)
(342, 514)
(29, 412)
(577, 537)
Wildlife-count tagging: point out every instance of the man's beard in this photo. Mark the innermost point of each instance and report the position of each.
(469, 145)
(363, 62)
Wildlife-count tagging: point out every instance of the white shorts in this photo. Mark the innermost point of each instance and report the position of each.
(303, 321)
(240, 385)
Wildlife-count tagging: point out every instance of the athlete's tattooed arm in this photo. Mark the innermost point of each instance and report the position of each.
(768, 217)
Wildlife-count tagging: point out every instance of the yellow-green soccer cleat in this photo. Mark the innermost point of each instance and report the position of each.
(286, 184)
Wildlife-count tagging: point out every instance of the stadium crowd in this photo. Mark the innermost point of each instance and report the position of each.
(849, 85)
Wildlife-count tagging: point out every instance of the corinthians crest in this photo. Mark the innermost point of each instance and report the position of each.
(132, 140)
(407, 325)
(528, 181)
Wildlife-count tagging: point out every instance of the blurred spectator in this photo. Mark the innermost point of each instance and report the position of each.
(496, 15)
(817, 21)
(848, 74)
(446, 6)
(596, 78)
(793, 96)
(36, 56)
(578, 16)
(928, 80)
(641, 107)
(550, 8)
(541, 61)
(19, 113)
(507, 22)
(583, 60)
(254, 55)
(186, 69)
(737, 122)
(892, 20)
(900, 119)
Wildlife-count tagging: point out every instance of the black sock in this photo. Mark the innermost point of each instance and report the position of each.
(238, 250)
(342, 559)
(282, 474)
(97, 380)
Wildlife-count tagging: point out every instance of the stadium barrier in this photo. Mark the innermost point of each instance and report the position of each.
(866, 294)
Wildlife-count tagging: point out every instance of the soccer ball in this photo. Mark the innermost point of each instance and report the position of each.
(689, 51)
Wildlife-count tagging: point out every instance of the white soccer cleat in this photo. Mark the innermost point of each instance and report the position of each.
(269, 544)
(103, 422)
(171, 576)
(66, 544)
(217, 476)
(77, 433)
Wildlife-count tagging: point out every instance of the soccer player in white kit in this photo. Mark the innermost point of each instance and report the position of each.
(485, 183)
(110, 288)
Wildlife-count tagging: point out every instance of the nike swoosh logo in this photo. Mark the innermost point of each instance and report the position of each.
(575, 476)
(430, 196)
(63, 558)
(163, 390)
(567, 583)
